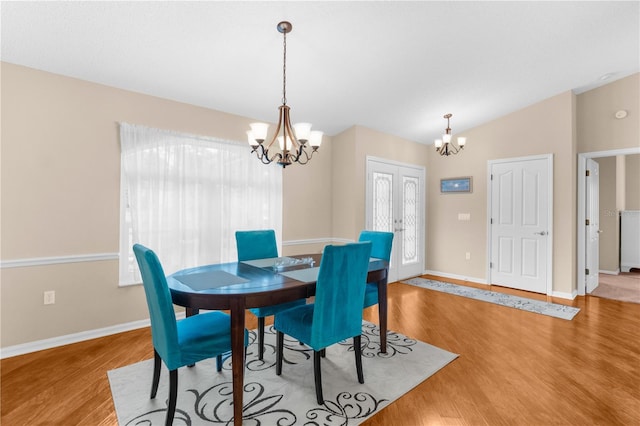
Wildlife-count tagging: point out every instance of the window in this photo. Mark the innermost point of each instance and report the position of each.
(184, 196)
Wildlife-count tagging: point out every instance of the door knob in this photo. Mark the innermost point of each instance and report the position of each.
(541, 233)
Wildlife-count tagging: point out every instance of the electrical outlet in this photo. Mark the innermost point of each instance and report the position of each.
(464, 216)
(49, 297)
(467, 255)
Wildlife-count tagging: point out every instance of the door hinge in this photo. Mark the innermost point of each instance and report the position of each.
(587, 222)
(587, 173)
(491, 221)
(490, 265)
(586, 271)
(491, 176)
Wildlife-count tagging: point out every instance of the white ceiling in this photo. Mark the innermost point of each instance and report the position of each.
(396, 67)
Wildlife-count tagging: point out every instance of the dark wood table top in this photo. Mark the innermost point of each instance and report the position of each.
(260, 286)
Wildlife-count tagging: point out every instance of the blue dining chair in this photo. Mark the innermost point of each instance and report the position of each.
(261, 244)
(178, 343)
(336, 313)
(381, 249)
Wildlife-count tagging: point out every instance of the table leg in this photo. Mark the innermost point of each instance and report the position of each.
(382, 314)
(237, 358)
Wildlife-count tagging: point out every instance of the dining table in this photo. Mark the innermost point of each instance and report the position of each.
(237, 286)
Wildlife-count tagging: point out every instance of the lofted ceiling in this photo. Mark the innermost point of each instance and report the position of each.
(396, 67)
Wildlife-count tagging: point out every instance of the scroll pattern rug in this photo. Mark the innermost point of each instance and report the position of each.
(539, 307)
(205, 396)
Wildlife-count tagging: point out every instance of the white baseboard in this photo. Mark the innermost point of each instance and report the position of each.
(457, 277)
(54, 342)
(563, 295)
(616, 272)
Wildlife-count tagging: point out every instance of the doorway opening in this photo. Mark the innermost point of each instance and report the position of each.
(582, 231)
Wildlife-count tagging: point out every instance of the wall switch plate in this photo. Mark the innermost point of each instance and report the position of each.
(464, 216)
(49, 297)
(467, 255)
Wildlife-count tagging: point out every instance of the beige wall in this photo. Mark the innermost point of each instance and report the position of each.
(543, 128)
(632, 182)
(60, 197)
(598, 129)
(609, 247)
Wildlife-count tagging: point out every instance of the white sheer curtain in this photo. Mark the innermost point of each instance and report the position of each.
(184, 196)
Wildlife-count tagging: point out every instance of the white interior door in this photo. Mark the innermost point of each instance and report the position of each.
(592, 223)
(520, 224)
(395, 203)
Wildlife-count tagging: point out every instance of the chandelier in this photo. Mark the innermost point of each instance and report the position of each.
(444, 146)
(293, 141)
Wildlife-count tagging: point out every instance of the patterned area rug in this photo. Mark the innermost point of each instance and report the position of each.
(205, 396)
(530, 305)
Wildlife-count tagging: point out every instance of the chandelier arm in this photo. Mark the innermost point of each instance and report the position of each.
(276, 157)
(288, 131)
(306, 158)
(263, 156)
(275, 135)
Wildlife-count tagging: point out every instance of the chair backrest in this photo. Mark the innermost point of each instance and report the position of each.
(259, 244)
(164, 331)
(342, 277)
(381, 243)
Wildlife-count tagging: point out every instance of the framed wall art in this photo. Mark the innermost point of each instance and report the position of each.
(456, 185)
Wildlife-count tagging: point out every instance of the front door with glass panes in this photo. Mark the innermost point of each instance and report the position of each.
(395, 203)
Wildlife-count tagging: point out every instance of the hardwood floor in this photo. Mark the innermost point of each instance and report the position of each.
(515, 367)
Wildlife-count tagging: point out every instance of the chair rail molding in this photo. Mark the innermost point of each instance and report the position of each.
(54, 260)
(326, 240)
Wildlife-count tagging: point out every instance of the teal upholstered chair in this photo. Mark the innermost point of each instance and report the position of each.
(261, 244)
(381, 249)
(336, 313)
(178, 343)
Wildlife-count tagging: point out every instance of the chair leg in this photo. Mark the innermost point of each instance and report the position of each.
(260, 338)
(317, 376)
(358, 351)
(157, 364)
(323, 352)
(219, 363)
(279, 349)
(173, 396)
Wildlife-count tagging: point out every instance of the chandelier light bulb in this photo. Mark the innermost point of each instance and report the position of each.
(315, 139)
(259, 131)
(303, 131)
(251, 139)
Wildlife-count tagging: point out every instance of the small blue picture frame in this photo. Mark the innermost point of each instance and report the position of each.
(456, 185)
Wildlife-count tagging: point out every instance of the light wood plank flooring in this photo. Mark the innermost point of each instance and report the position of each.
(515, 367)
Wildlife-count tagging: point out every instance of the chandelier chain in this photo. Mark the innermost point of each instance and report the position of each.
(284, 70)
